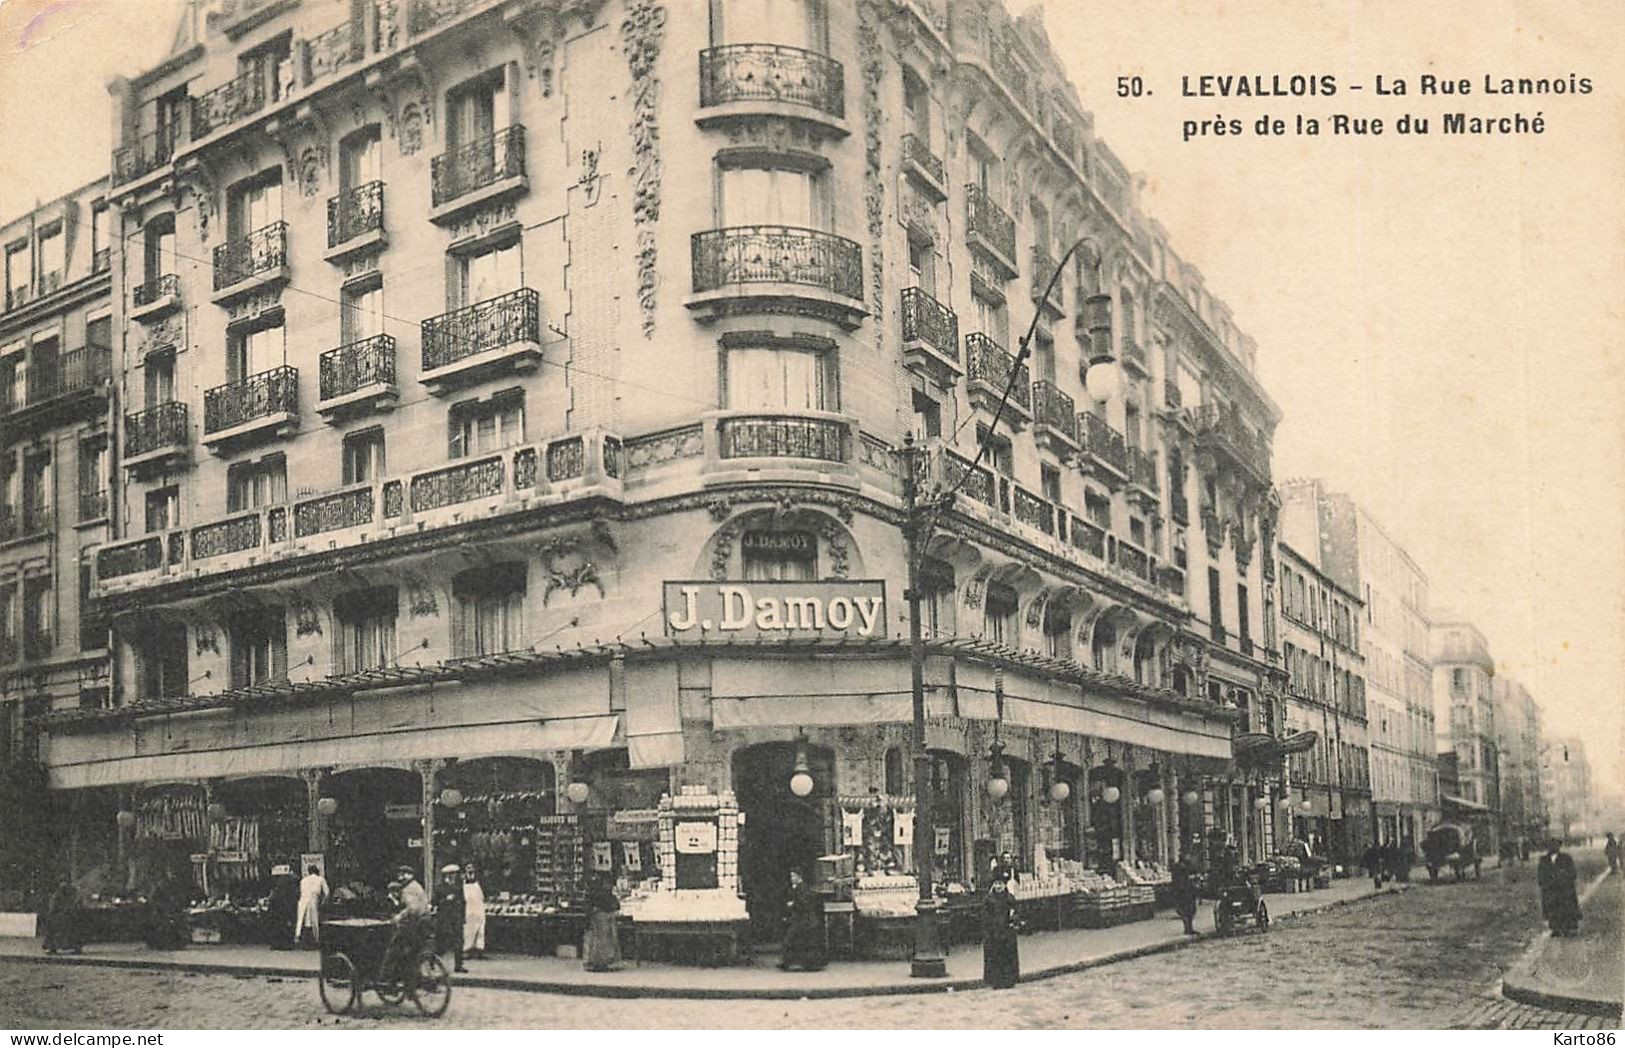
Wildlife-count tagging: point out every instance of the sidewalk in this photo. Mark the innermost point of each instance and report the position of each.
(1043, 955)
(1582, 974)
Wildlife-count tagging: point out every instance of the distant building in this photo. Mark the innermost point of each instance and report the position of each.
(1517, 724)
(1464, 713)
(1567, 788)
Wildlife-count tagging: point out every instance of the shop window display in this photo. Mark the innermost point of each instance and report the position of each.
(377, 827)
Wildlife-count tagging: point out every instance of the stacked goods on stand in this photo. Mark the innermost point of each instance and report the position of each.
(884, 904)
(1143, 880)
(1043, 902)
(559, 861)
(1104, 903)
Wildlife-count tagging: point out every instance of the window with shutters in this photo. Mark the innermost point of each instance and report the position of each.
(489, 613)
(160, 661)
(364, 629)
(481, 426)
(364, 455)
(259, 647)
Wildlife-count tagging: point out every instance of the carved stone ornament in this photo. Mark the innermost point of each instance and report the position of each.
(420, 598)
(206, 640)
(872, 62)
(642, 32)
(168, 333)
(306, 619)
(410, 128)
(648, 452)
(567, 566)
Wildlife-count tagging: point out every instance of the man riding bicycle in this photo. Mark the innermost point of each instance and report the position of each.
(411, 922)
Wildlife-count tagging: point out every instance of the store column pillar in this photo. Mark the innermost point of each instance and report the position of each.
(1086, 823)
(1126, 803)
(428, 770)
(315, 821)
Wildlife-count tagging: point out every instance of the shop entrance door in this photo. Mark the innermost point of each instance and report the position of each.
(781, 831)
(378, 826)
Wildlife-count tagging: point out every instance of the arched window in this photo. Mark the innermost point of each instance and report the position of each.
(1001, 621)
(1146, 670)
(937, 590)
(1058, 631)
(1103, 646)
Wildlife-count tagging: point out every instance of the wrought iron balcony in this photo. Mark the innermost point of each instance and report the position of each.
(264, 251)
(464, 482)
(929, 324)
(326, 52)
(1043, 270)
(429, 14)
(1142, 470)
(919, 158)
(784, 436)
(230, 101)
(989, 226)
(772, 73)
(357, 366)
(83, 370)
(1134, 356)
(1032, 510)
(978, 485)
(1223, 430)
(1089, 537)
(335, 512)
(1171, 579)
(486, 161)
(165, 285)
(1054, 416)
(147, 154)
(1009, 71)
(989, 369)
(1133, 560)
(777, 255)
(92, 505)
(508, 320)
(222, 537)
(1102, 443)
(130, 558)
(355, 212)
(157, 428)
(270, 394)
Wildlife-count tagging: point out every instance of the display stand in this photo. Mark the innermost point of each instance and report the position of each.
(696, 912)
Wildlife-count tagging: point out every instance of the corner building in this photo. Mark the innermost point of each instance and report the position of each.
(476, 357)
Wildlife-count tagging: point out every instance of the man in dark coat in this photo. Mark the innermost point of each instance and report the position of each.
(1610, 850)
(62, 920)
(283, 908)
(1184, 892)
(1559, 902)
(1001, 961)
(804, 945)
(1375, 862)
(449, 910)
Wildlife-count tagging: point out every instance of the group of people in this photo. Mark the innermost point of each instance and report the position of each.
(1387, 862)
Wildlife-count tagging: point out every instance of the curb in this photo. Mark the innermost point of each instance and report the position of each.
(583, 989)
(1514, 989)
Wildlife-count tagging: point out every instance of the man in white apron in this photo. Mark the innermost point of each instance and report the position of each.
(473, 914)
(312, 893)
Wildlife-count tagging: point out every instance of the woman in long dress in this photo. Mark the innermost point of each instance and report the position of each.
(804, 945)
(1001, 961)
(603, 945)
(1559, 901)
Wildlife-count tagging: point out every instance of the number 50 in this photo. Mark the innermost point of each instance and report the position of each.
(1130, 87)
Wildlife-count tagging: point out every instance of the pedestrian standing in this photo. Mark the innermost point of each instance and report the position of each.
(473, 915)
(1610, 849)
(312, 894)
(1184, 892)
(449, 911)
(62, 920)
(603, 944)
(1559, 902)
(1001, 960)
(804, 945)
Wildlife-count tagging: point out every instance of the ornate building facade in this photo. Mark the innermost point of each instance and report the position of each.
(1464, 709)
(477, 358)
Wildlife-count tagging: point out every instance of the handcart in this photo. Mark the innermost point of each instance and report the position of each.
(353, 952)
(1240, 903)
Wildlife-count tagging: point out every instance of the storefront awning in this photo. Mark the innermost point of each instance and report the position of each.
(565, 733)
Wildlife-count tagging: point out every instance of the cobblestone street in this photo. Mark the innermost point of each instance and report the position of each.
(1426, 958)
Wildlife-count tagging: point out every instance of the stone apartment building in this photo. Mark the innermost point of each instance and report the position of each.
(1362, 557)
(1464, 711)
(1320, 648)
(1566, 789)
(1517, 724)
(512, 397)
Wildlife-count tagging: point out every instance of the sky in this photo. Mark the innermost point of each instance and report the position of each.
(1440, 318)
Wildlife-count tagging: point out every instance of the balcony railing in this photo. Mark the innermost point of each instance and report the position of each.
(463, 482)
(326, 52)
(929, 321)
(1102, 442)
(492, 324)
(261, 251)
(917, 151)
(427, 14)
(1133, 560)
(158, 287)
(988, 363)
(258, 396)
(354, 212)
(335, 512)
(78, 369)
(230, 101)
(148, 153)
(1033, 511)
(989, 221)
(353, 367)
(1054, 410)
(979, 485)
(1007, 69)
(92, 505)
(18, 523)
(779, 436)
(163, 426)
(478, 164)
(772, 73)
(1171, 579)
(1225, 428)
(777, 255)
(232, 535)
(130, 558)
(1089, 537)
(1142, 469)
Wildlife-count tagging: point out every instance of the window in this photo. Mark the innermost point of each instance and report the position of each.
(362, 315)
(37, 616)
(1041, 234)
(1098, 508)
(158, 247)
(364, 455)
(989, 315)
(927, 416)
(163, 509)
(795, 23)
(894, 764)
(250, 485)
(917, 104)
(1001, 624)
(772, 196)
(783, 555)
(9, 622)
(780, 377)
(52, 259)
(1136, 531)
(364, 629)
(92, 478)
(1215, 604)
(271, 65)
(1050, 481)
(254, 351)
(99, 333)
(1132, 430)
(360, 159)
(1043, 358)
(999, 454)
(478, 109)
(1458, 679)
(254, 204)
(489, 274)
(19, 277)
(92, 628)
(481, 426)
(922, 265)
(1243, 619)
(985, 169)
(36, 491)
(489, 614)
(937, 608)
(259, 647)
(98, 236)
(160, 662)
(158, 377)
(1057, 631)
